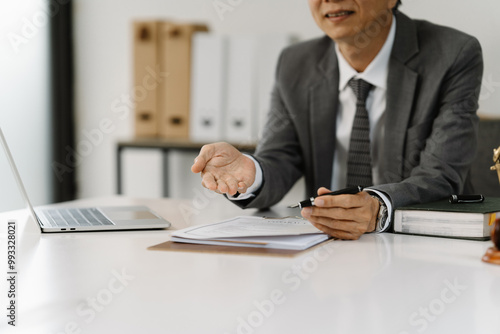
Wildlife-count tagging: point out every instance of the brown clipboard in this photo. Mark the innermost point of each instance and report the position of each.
(200, 248)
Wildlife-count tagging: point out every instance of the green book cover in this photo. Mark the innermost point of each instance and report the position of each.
(445, 219)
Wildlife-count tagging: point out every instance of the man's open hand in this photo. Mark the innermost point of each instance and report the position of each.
(224, 169)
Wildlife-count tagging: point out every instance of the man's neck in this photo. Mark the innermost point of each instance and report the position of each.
(361, 50)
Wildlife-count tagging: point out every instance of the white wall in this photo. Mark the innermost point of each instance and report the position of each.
(479, 19)
(25, 103)
(103, 57)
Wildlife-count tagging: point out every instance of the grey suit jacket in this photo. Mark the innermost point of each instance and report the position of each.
(434, 80)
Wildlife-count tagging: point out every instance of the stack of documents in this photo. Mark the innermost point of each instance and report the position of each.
(292, 233)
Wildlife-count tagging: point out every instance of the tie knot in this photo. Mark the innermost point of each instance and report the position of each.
(361, 89)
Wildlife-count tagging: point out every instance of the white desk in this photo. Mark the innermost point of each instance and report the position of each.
(390, 284)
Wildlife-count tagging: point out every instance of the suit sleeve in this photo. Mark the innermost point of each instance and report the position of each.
(451, 145)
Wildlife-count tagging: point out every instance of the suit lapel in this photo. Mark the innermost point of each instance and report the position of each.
(401, 86)
(323, 102)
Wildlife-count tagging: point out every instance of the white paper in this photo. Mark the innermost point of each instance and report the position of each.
(298, 242)
(249, 226)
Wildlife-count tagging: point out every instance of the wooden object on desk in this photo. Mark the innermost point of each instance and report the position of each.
(493, 254)
(486, 182)
(496, 160)
(182, 247)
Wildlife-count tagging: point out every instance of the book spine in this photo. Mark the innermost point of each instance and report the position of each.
(145, 55)
(241, 102)
(208, 85)
(174, 92)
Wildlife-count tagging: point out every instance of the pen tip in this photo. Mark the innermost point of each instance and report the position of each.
(293, 206)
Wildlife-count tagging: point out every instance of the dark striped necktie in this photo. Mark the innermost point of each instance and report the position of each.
(359, 162)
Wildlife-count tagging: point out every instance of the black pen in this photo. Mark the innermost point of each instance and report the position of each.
(310, 201)
(466, 199)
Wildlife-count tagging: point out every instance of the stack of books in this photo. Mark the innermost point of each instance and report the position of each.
(444, 219)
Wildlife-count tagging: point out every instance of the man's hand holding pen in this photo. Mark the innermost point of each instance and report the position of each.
(343, 216)
(346, 216)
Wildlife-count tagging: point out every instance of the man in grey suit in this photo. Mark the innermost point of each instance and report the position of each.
(422, 82)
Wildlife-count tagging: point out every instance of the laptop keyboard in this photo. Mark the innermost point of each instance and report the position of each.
(76, 217)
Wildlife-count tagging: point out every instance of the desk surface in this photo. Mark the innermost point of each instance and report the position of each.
(109, 282)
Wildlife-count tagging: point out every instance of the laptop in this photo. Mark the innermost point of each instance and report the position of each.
(74, 219)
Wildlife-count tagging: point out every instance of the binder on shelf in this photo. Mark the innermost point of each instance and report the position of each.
(174, 91)
(269, 48)
(240, 117)
(208, 87)
(145, 45)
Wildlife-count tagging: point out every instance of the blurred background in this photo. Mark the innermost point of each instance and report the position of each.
(67, 64)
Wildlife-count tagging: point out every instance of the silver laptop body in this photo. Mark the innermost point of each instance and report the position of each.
(73, 219)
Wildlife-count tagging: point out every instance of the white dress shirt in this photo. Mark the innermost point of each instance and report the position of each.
(376, 74)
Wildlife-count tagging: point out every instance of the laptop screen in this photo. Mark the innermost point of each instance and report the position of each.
(13, 195)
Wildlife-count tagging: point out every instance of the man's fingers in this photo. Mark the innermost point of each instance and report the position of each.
(326, 221)
(332, 213)
(206, 153)
(340, 234)
(227, 184)
(323, 190)
(232, 185)
(339, 226)
(208, 181)
(338, 213)
(222, 186)
(242, 187)
(198, 166)
(343, 201)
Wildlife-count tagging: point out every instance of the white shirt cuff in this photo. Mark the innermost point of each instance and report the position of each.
(257, 183)
(388, 205)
